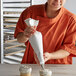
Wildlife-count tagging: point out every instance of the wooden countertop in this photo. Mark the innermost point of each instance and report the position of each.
(57, 69)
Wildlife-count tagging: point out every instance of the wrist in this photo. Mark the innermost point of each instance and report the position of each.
(51, 56)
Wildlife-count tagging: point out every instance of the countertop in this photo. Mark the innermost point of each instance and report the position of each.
(57, 69)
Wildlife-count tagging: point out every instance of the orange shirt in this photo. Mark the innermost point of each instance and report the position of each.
(58, 33)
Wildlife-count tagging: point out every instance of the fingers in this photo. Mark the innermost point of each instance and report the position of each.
(45, 60)
(46, 56)
(29, 31)
(35, 27)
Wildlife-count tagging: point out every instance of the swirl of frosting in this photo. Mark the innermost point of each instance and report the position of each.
(25, 69)
(46, 72)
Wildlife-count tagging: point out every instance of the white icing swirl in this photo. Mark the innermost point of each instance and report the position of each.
(25, 69)
(45, 72)
(31, 22)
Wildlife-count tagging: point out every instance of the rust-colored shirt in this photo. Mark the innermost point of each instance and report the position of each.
(58, 33)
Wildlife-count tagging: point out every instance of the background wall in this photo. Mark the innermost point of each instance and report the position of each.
(70, 4)
(38, 1)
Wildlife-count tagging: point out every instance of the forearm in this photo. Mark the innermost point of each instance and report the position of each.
(59, 54)
(21, 38)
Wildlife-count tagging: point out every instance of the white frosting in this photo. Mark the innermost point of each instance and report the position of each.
(46, 72)
(25, 69)
(37, 44)
(36, 40)
(31, 22)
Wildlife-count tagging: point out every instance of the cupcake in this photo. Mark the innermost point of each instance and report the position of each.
(45, 72)
(25, 71)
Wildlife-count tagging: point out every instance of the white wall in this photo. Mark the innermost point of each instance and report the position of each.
(70, 4)
(38, 1)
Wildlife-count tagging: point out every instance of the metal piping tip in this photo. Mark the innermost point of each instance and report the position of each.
(42, 66)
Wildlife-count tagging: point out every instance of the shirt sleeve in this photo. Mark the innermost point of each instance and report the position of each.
(69, 42)
(21, 25)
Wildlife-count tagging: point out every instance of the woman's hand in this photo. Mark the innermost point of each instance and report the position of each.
(47, 56)
(29, 31)
(22, 37)
(59, 54)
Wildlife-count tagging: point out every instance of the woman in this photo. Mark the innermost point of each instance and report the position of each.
(58, 28)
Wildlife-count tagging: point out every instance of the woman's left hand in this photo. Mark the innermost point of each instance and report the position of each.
(47, 56)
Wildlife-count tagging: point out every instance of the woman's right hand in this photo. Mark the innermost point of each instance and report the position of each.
(29, 31)
(22, 37)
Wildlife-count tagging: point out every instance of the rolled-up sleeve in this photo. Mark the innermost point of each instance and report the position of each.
(69, 42)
